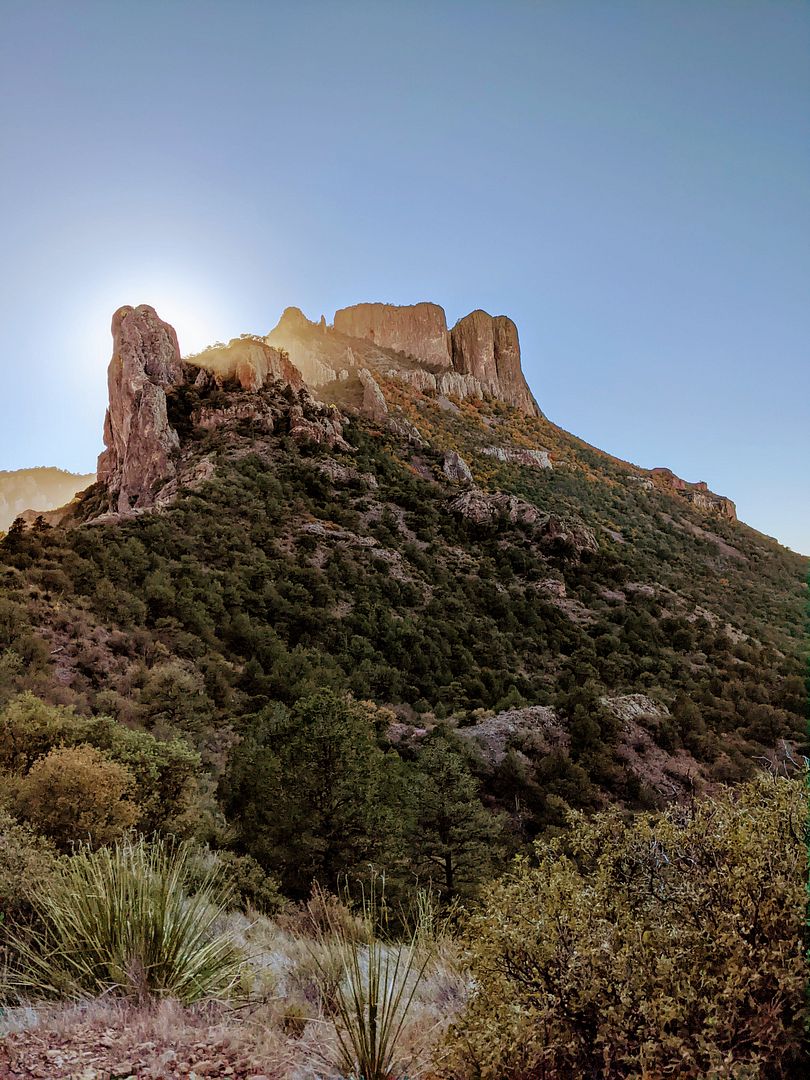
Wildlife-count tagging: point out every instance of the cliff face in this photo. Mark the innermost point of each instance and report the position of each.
(350, 365)
(251, 362)
(418, 330)
(488, 349)
(479, 356)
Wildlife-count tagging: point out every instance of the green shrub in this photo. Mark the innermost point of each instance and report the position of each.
(123, 920)
(665, 945)
(26, 861)
(77, 794)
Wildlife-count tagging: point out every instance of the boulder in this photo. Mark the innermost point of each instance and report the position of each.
(455, 468)
(374, 404)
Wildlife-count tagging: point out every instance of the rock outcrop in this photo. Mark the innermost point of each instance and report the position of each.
(374, 404)
(535, 459)
(140, 442)
(418, 330)
(251, 362)
(480, 355)
(143, 448)
(697, 494)
(487, 348)
(455, 468)
(493, 508)
(309, 346)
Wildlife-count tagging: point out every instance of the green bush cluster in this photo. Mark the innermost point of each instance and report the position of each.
(657, 945)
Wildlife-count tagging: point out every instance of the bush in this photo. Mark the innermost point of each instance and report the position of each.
(123, 920)
(26, 860)
(76, 793)
(667, 945)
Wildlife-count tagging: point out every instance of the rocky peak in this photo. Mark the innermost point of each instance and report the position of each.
(142, 447)
(139, 440)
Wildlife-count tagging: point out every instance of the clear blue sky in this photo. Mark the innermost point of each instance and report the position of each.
(628, 181)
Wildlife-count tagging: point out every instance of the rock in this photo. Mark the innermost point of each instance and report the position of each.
(310, 422)
(560, 535)
(552, 587)
(402, 427)
(644, 482)
(254, 412)
(494, 734)
(418, 330)
(345, 474)
(140, 442)
(635, 707)
(459, 385)
(307, 345)
(697, 494)
(421, 380)
(538, 459)
(374, 403)
(456, 468)
(251, 362)
(489, 508)
(487, 348)
(568, 535)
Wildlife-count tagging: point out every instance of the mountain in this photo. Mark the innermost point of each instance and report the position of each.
(37, 489)
(380, 506)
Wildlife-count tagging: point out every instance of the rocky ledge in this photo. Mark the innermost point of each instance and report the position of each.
(698, 494)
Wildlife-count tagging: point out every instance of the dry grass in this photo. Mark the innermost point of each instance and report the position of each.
(286, 1030)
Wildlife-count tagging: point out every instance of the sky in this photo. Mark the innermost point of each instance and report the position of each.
(630, 182)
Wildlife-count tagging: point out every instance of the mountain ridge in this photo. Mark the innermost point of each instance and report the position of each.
(452, 558)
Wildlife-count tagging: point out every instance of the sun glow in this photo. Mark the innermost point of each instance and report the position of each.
(192, 308)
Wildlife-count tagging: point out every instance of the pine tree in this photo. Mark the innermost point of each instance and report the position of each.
(456, 838)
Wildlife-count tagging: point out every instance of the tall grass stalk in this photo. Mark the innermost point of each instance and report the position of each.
(124, 920)
(374, 991)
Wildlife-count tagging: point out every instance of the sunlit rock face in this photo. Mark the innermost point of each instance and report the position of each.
(480, 355)
(488, 350)
(140, 441)
(251, 362)
(418, 330)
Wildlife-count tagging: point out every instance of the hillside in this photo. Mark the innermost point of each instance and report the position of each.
(580, 629)
(37, 489)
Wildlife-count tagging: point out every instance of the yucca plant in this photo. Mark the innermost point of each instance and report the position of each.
(374, 992)
(124, 920)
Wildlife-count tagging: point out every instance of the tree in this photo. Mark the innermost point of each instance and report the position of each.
(77, 794)
(455, 838)
(164, 771)
(313, 794)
